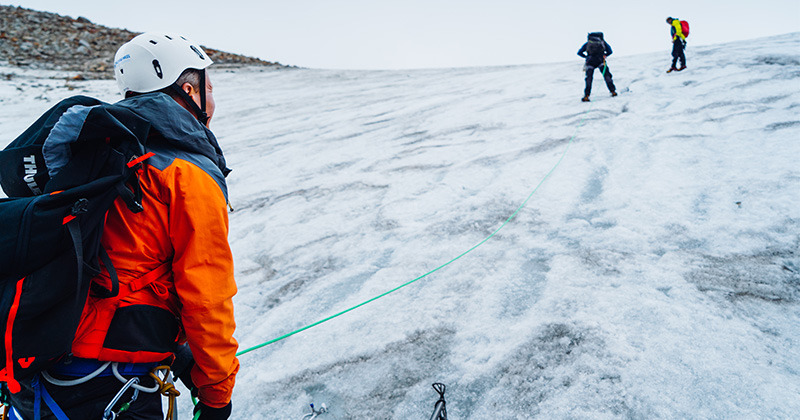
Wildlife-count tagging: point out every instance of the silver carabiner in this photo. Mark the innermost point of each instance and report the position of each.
(109, 414)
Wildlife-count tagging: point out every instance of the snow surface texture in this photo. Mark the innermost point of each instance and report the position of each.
(655, 274)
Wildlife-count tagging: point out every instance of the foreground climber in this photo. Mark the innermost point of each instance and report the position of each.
(172, 259)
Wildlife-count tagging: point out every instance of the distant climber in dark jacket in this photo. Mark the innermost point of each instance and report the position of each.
(595, 51)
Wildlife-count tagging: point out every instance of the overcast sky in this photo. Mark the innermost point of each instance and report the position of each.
(394, 34)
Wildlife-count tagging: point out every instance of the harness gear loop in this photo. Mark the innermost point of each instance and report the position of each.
(166, 387)
(61, 382)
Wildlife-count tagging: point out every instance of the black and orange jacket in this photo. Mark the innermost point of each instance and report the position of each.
(173, 259)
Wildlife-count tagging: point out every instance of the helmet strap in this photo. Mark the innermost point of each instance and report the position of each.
(203, 95)
(199, 111)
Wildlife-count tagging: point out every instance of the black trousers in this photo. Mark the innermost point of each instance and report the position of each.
(606, 75)
(677, 52)
(87, 401)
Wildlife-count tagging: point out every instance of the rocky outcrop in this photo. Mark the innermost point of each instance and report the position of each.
(29, 38)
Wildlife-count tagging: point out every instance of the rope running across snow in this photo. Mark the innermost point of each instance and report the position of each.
(580, 124)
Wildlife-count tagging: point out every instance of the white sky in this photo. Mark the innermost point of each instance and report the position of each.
(394, 34)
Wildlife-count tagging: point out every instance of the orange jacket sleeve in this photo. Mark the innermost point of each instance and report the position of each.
(203, 273)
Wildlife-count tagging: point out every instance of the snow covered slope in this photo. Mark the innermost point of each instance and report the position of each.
(654, 274)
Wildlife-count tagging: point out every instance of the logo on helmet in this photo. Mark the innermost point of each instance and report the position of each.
(121, 59)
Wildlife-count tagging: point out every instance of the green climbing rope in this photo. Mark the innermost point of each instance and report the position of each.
(580, 124)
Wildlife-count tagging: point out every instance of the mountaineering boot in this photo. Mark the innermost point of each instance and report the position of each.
(681, 68)
(585, 98)
(671, 69)
(614, 93)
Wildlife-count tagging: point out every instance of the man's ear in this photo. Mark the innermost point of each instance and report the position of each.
(188, 88)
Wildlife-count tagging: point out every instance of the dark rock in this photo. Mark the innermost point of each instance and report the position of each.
(45, 40)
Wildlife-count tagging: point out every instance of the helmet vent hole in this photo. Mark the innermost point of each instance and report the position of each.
(168, 37)
(157, 68)
(122, 71)
(153, 42)
(197, 51)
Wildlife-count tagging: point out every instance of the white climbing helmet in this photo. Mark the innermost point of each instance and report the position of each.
(153, 61)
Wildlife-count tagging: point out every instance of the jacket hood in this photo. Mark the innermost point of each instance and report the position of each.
(177, 125)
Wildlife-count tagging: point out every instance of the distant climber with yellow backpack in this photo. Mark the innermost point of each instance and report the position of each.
(679, 30)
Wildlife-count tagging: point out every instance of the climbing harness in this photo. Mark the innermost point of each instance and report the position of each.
(162, 376)
(439, 412)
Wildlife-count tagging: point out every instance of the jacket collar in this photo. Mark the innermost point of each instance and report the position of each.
(176, 125)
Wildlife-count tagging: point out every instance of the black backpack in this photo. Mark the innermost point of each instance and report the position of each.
(595, 46)
(50, 228)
